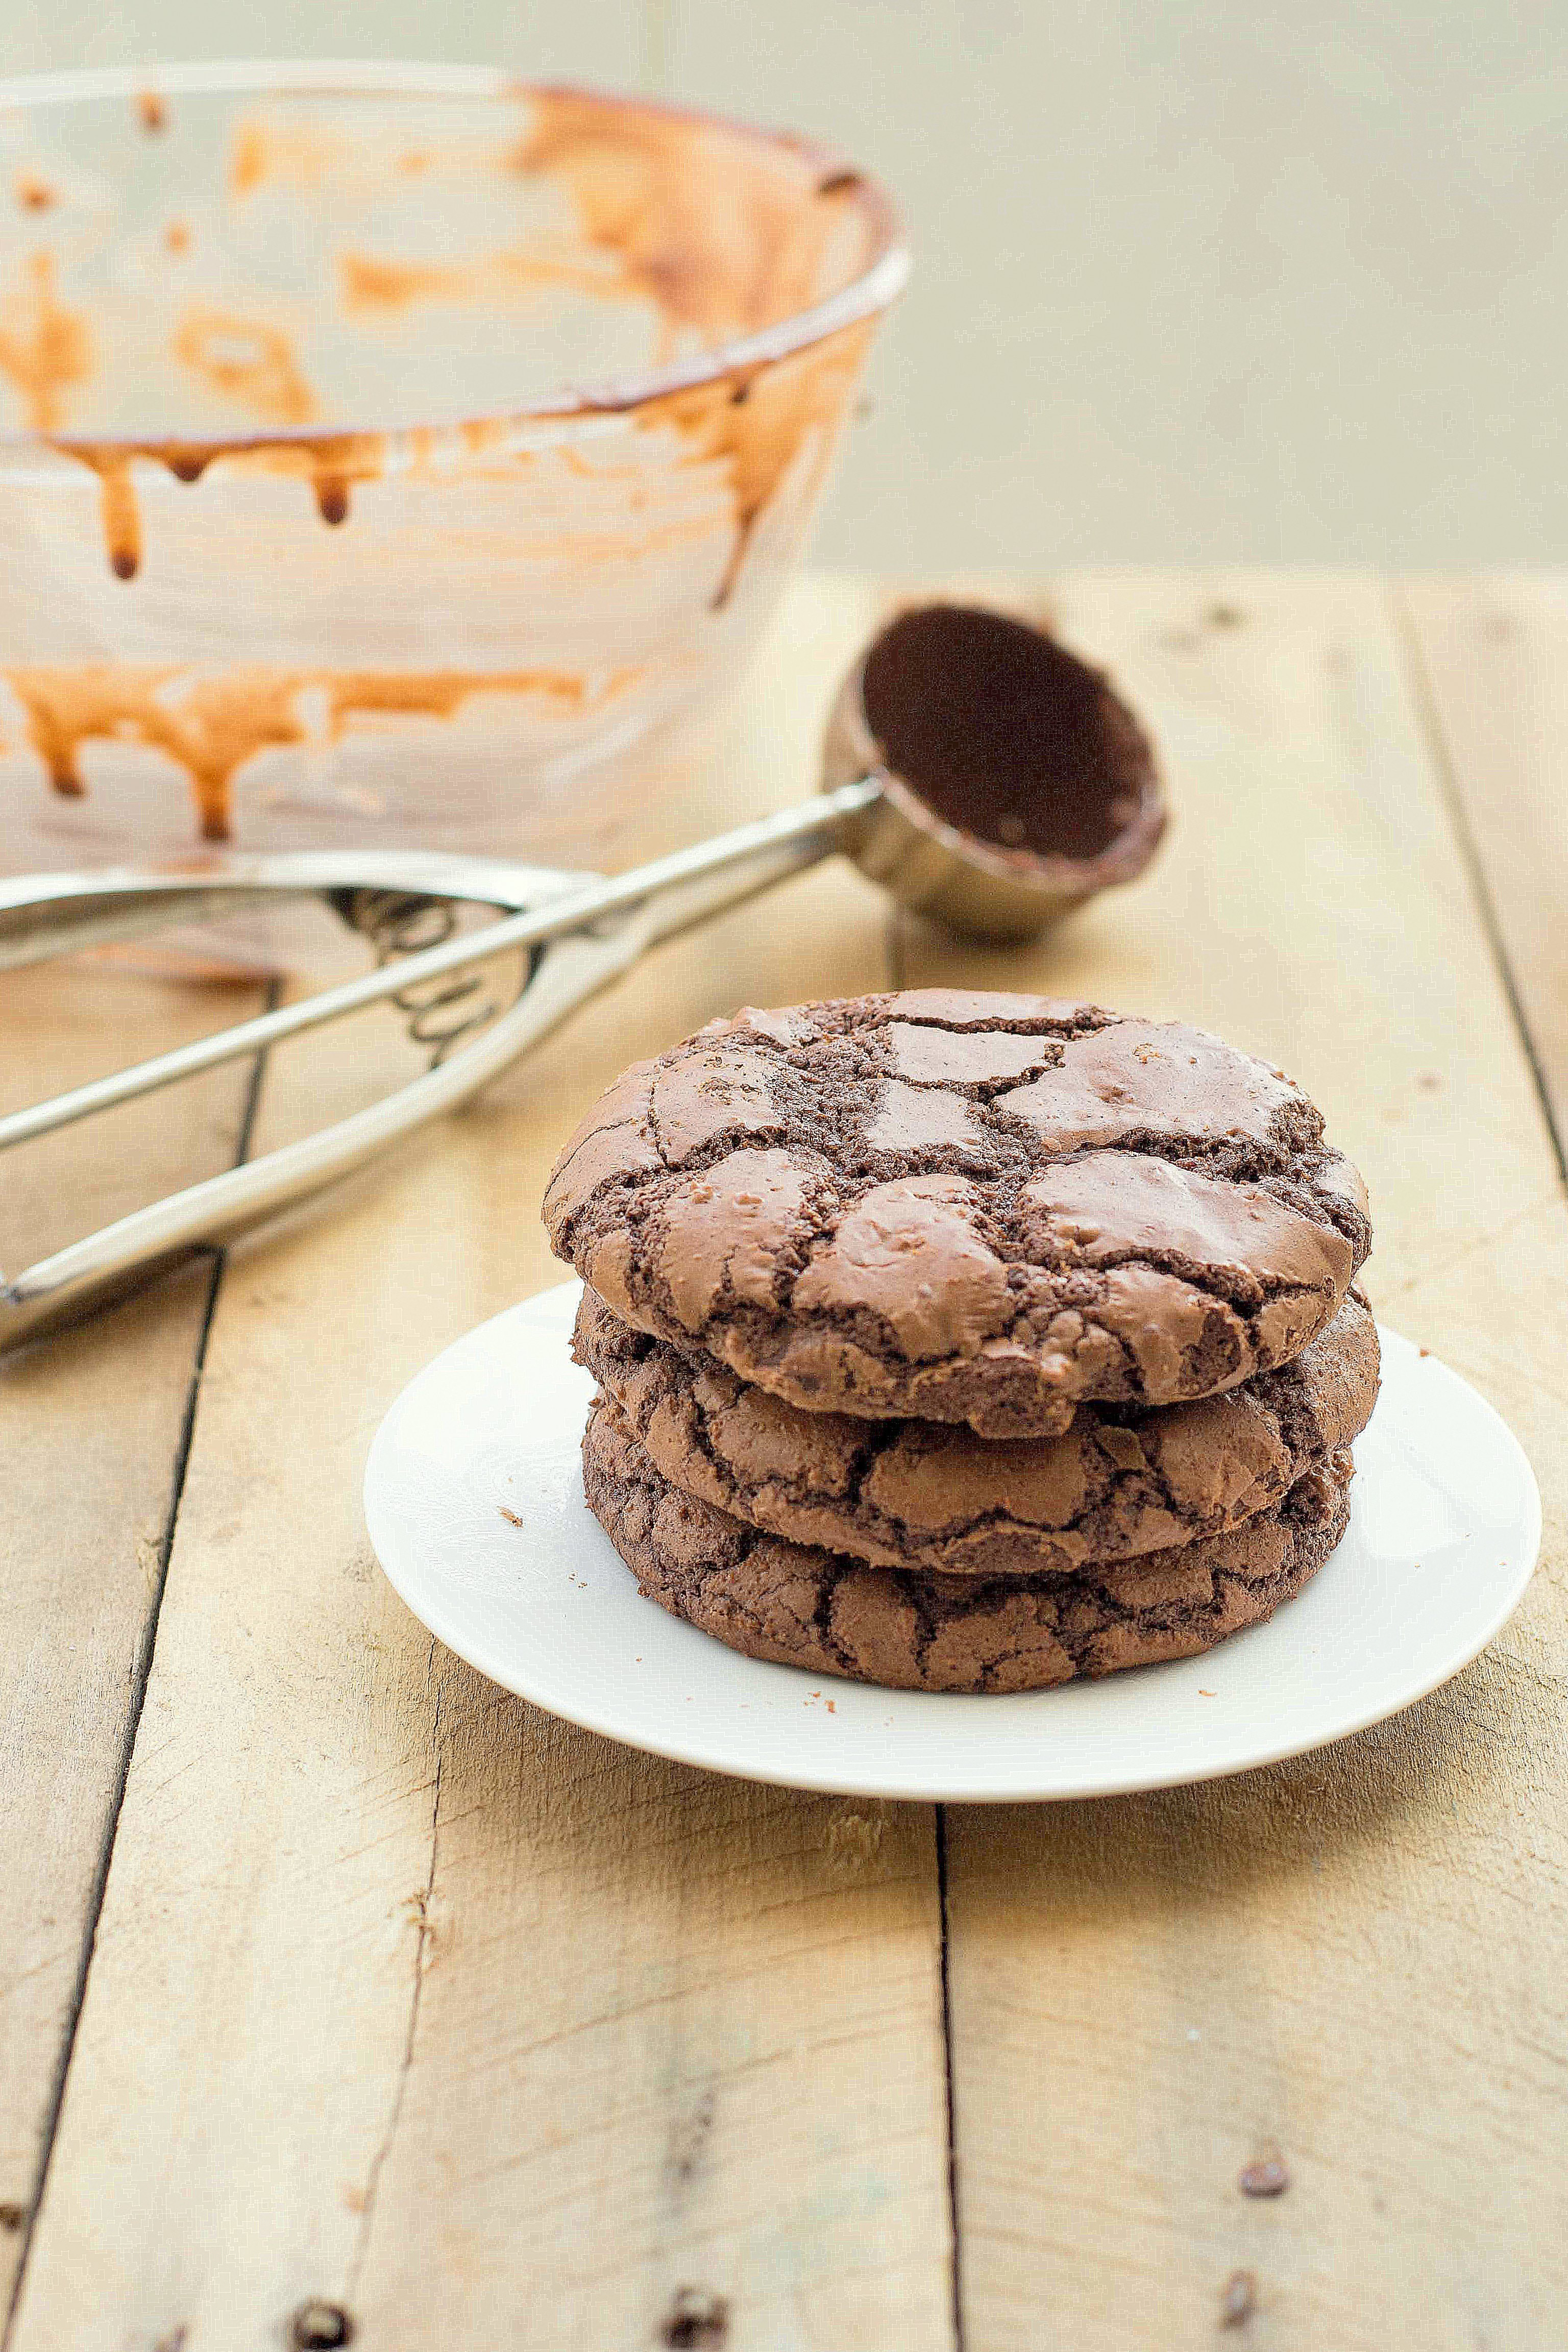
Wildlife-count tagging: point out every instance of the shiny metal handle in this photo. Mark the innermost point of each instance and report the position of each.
(693, 882)
(60, 1289)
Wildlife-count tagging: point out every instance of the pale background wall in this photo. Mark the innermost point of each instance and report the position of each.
(1208, 282)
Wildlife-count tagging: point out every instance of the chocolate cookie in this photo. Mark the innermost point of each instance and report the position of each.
(964, 1207)
(802, 1607)
(923, 1495)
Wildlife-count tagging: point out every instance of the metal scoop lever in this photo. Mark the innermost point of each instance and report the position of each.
(566, 962)
(751, 858)
(576, 932)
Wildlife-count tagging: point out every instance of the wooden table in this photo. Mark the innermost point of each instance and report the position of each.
(331, 1975)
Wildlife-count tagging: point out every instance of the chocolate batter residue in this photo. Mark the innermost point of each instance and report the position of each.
(758, 422)
(723, 230)
(247, 360)
(1003, 733)
(45, 348)
(212, 726)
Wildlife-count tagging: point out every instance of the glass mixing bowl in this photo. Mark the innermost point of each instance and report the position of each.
(386, 451)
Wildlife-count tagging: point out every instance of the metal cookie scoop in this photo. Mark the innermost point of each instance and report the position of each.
(974, 767)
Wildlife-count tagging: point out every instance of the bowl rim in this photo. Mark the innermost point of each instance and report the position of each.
(873, 290)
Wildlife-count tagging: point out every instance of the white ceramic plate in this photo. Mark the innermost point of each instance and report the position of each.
(1445, 1527)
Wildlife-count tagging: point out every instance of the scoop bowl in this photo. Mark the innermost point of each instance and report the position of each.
(1016, 782)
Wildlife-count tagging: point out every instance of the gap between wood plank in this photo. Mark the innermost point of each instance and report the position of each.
(141, 1677)
(421, 1948)
(659, 1867)
(1424, 701)
(897, 969)
(956, 2266)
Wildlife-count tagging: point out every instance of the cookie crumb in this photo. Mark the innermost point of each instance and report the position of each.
(509, 1517)
(150, 111)
(1238, 2299)
(1266, 2175)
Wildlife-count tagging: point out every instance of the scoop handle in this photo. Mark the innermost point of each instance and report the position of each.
(692, 884)
(676, 891)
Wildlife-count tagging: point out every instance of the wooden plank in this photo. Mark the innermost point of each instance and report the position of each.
(1492, 659)
(1357, 1960)
(92, 1431)
(405, 1996)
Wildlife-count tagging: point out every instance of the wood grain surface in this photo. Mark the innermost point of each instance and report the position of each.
(93, 1431)
(411, 2003)
(1341, 1962)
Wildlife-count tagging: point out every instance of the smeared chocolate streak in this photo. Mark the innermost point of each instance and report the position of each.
(212, 726)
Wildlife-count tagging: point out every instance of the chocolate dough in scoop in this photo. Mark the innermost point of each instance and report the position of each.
(1004, 734)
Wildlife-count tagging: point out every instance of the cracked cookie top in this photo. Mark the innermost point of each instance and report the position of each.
(963, 1206)
(802, 1606)
(929, 1496)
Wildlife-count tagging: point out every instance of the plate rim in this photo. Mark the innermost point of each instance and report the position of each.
(894, 1789)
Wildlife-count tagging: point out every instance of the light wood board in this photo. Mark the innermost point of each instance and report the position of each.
(406, 1997)
(1353, 1962)
(1491, 658)
(92, 1429)
(485, 2030)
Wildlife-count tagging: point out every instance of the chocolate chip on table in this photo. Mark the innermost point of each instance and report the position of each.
(319, 2327)
(696, 2321)
(1266, 2175)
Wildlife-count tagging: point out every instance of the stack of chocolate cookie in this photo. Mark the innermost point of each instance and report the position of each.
(966, 1342)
